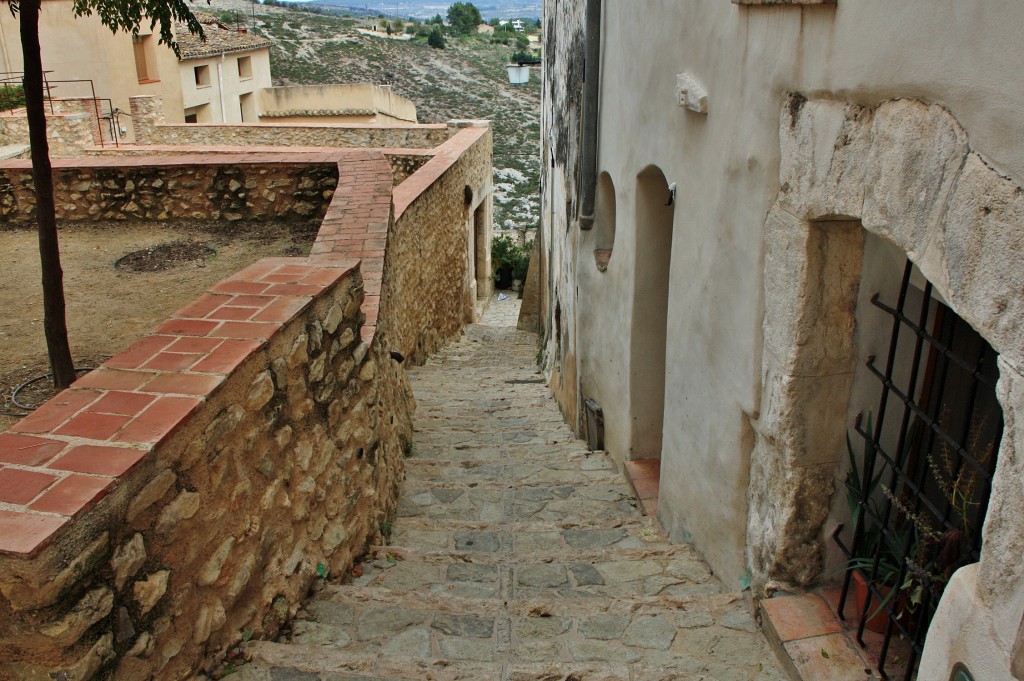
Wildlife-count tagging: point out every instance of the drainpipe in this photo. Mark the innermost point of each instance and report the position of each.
(220, 86)
(591, 91)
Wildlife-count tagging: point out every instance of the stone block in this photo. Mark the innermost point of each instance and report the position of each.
(825, 145)
(915, 156)
(149, 591)
(983, 248)
(93, 607)
(127, 560)
(184, 506)
(260, 392)
(211, 570)
(150, 494)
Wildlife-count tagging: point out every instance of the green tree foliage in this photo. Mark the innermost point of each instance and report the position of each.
(436, 20)
(118, 15)
(436, 38)
(464, 17)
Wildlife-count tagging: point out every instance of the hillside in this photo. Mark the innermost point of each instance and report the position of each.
(465, 80)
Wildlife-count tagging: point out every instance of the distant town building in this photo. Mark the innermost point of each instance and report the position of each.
(220, 76)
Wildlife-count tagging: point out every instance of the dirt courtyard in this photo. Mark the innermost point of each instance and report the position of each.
(108, 308)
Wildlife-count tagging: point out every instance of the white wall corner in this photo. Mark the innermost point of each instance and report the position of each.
(691, 94)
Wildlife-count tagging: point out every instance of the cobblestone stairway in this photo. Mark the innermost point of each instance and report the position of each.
(516, 554)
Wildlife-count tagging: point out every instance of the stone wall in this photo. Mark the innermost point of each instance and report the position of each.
(66, 133)
(428, 251)
(187, 493)
(150, 128)
(208, 474)
(228, 187)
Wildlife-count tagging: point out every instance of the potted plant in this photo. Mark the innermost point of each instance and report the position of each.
(878, 558)
(509, 261)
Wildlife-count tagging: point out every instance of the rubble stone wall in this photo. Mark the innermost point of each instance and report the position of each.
(271, 459)
(67, 133)
(428, 251)
(232, 188)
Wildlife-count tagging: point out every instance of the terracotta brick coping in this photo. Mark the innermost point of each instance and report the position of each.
(60, 460)
(445, 156)
(63, 458)
(238, 156)
(129, 149)
(318, 126)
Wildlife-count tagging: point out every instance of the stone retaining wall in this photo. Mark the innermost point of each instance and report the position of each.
(428, 251)
(150, 128)
(232, 188)
(198, 482)
(186, 494)
(67, 133)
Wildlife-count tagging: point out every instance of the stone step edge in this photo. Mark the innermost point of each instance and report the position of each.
(318, 659)
(423, 483)
(637, 523)
(539, 606)
(530, 557)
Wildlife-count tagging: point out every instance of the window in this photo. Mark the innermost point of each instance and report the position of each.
(198, 114)
(143, 46)
(245, 67)
(247, 108)
(202, 75)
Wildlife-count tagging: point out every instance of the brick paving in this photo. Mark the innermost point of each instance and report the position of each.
(516, 554)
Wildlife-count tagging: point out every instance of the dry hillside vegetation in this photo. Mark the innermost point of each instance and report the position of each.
(466, 80)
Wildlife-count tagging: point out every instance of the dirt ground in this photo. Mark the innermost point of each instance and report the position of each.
(108, 308)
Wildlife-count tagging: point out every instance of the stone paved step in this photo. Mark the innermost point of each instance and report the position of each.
(695, 634)
(528, 470)
(618, 573)
(520, 555)
(537, 538)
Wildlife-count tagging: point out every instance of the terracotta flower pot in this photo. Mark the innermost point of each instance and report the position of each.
(879, 620)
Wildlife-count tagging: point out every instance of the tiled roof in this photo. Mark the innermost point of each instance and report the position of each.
(219, 39)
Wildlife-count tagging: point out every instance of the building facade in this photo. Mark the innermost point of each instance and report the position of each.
(222, 75)
(772, 226)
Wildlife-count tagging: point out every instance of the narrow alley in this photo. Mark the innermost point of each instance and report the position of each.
(516, 554)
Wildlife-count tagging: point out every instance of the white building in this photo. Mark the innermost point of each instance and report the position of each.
(220, 76)
(724, 193)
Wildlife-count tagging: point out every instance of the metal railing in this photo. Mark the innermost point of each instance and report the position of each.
(111, 135)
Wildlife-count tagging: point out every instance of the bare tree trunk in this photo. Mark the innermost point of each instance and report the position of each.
(54, 323)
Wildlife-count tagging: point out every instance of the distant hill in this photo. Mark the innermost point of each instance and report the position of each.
(424, 9)
(466, 80)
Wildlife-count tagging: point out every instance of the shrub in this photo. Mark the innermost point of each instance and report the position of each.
(436, 38)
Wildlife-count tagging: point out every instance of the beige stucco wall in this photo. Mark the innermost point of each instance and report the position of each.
(963, 56)
(82, 48)
(379, 104)
(221, 97)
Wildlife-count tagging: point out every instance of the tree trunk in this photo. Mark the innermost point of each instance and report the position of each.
(54, 323)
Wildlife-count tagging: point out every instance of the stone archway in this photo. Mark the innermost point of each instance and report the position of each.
(903, 170)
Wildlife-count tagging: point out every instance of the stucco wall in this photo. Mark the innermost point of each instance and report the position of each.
(373, 101)
(226, 85)
(726, 168)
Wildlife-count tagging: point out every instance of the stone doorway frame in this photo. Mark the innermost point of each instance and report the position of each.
(905, 171)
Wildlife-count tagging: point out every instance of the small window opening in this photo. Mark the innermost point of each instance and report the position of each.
(245, 67)
(202, 74)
